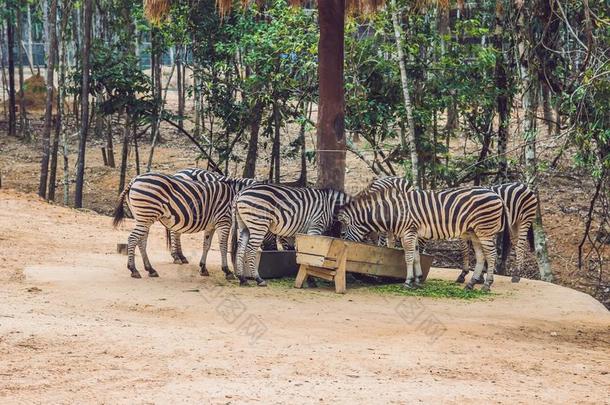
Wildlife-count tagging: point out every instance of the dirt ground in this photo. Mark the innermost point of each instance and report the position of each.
(74, 327)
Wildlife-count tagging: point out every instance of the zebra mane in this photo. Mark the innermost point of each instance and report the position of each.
(370, 196)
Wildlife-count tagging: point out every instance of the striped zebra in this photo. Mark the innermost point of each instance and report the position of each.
(182, 206)
(203, 176)
(383, 183)
(473, 213)
(521, 204)
(281, 210)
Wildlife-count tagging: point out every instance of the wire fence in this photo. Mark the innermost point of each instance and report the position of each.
(39, 56)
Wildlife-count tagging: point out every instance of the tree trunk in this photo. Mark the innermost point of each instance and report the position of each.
(10, 46)
(502, 99)
(180, 85)
(30, 49)
(22, 113)
(411, 136)
(277, 122)
(547, 109)
(82, 146)
(124, 153)
(302, 181)
(61, 95)
(331, 144)
(54, 149)
(3, 54)
(110, 144)
(48, 116)
(250, 165)
(531, 101)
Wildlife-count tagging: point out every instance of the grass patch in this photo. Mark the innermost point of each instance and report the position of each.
(432, 288)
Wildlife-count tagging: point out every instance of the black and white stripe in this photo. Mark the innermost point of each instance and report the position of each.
(476, 213)
(521, 204)
(182, 206)
(283, 211)
(204, 176)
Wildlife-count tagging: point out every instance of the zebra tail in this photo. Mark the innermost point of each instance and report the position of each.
(530, 238)
(505, 239)
(119, 210)
(234, 239)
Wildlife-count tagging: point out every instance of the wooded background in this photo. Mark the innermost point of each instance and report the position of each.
(525, 84)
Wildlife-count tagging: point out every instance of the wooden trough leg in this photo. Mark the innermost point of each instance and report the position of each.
(340, 276)
(301, 276)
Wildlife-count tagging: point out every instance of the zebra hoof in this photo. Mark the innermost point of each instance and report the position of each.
(203, 272)
(515, 279)
(461, 278)
(135, 274)
(479, 281)
(177, 260)
(486, 288)
(468, 287)
(243, 282)
(260, 282)
(183, 260)
(408, 285)
(229, 276)
(153, 273)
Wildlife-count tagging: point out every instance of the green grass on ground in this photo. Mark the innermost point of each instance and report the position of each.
(432, 288)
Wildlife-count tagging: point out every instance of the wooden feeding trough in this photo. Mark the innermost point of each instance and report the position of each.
(330, 258)
(276, 263)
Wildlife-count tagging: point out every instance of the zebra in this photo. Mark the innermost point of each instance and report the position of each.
(203, 176)
(281, 210)
(182, 206)
(521, 204)
(473, 213)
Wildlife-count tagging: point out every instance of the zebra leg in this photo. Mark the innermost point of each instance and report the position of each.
(387, 239)
(241, 261)
(132, 242)
(465, 261)
(479, 265)
(519, 252)
(408, 242)
(417, 265)
(255, 241)
(176, 247)
(489, 249)
(143, 240)
(207, 243)
(223, 240)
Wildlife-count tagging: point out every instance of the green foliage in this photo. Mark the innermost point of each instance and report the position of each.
(432, 288)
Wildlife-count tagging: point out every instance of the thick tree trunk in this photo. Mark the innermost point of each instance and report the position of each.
(48, 116)
(250, 165)
(331, 144)
(411, 135)
(82, 146)
(10, 46)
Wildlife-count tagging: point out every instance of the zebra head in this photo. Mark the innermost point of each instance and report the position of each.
(354, 226)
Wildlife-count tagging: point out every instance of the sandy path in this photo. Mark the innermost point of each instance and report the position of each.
(75, 328)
